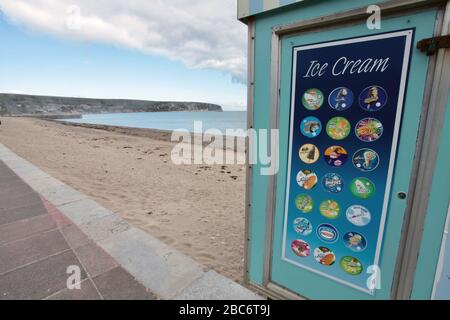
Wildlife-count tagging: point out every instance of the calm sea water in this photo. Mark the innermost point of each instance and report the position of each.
(170, 120)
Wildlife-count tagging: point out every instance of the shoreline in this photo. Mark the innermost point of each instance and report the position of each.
(158, 134)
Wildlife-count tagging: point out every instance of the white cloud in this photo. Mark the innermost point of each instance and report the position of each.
(200, 33)
(13, 91)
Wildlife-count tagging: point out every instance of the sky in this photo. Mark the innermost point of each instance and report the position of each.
(165, 50)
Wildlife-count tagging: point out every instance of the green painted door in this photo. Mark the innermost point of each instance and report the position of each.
(349, 111)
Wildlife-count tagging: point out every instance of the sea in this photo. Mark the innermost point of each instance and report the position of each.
(171, 120)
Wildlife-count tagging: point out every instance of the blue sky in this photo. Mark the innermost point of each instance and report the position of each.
(34, 60)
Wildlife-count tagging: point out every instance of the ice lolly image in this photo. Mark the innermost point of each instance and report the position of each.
(361, 188)
(369, 156)
(372, 97)
(312, 100)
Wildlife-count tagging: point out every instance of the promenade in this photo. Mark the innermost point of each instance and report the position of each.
(39, 245)
(54, 238)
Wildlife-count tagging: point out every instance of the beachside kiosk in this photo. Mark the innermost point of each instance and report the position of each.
(359, 90)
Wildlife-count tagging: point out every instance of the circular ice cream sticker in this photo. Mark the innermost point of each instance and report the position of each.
(362, 188)
(311, 127)
(301, 248)
(358, 215)
(338, 128)
(336, 156)
(330, 209)
(303, 226)
(351, 266)
(341, 99)
(369, 130)
(307, 179)
(324, 256)
(327, 233)
(332, 182)
(373, 98)
(366, 160)
(304, 203)
(309, 153)
(355, 241)
(312, 99)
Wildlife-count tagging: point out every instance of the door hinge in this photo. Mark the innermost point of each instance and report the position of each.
(431, 45)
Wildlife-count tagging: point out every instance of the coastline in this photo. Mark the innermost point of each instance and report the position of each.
(162, 135)
(229, 142)
(50, 105)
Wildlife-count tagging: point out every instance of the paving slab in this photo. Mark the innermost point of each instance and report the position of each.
(20, 201)
(84, 211)
(26, 228)
(39, 280)
(60, 219)
(22, 167)
(19, 253)
(94, 259)
(166, 271)
(87, 291)
(9, 182)
(74, 236)
(12, 215)
(213, 286)
(10, 159)
(5, 172)
(103, 228)
(61, 195)
(9, 156)
(40, 182)
(15, 188)
(118, 284)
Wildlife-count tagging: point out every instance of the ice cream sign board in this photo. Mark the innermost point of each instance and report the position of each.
(346, 110)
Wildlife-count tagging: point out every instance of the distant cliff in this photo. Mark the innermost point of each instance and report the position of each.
(16, 105)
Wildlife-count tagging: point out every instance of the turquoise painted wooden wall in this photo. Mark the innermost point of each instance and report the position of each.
(248, 8)
(261, 118)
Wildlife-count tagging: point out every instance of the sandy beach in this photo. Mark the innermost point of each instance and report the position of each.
(197, 209)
